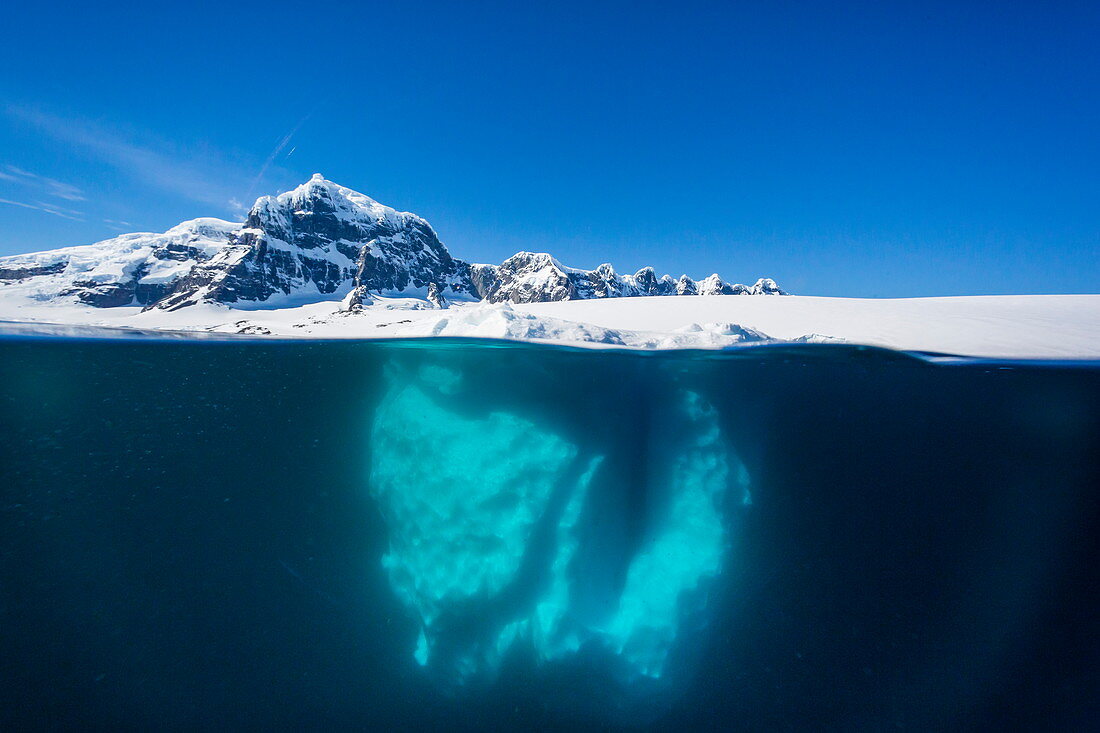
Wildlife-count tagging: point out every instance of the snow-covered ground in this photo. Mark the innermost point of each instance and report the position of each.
(1038, 326)
(1051, 326)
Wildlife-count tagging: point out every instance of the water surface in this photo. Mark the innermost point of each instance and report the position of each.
(472, 534)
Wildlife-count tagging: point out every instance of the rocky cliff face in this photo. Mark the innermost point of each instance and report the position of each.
(319, 241)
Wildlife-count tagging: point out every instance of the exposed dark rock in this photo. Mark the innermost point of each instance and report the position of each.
(17, 272)
(435, 296)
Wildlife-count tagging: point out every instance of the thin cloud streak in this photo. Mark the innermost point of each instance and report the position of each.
(50, 186)
(118, 226)
(55, 207)
(39, 206)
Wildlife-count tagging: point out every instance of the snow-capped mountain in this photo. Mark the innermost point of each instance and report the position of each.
(132, 268)
(320, 241)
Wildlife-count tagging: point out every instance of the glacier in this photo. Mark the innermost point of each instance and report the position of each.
(509, 536)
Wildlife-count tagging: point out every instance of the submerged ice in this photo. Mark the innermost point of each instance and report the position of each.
(511, 534)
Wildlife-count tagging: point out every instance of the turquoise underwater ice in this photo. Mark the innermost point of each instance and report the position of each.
(509, 535)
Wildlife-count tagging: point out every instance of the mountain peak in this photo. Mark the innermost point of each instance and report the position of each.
(317, 182)
(322, 197)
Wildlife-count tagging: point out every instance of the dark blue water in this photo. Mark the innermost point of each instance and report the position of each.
(459, 534)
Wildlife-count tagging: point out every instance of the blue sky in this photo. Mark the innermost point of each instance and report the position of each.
(865, 149)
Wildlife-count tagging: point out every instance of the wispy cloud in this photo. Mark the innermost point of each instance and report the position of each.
(47, 208)
(118, 225)
(200, 175)
(50, 186)
(35, 185)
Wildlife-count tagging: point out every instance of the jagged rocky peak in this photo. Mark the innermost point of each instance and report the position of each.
(715, 285)
(646, 282)
(686, 286)
(766, 286)
(525, 277)
(319, 241)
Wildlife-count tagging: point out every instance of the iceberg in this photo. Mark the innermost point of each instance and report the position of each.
(509, 536)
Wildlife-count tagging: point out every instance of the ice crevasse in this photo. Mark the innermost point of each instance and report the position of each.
(509, 534)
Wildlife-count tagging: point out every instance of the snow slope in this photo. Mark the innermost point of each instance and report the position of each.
(1017, 326)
